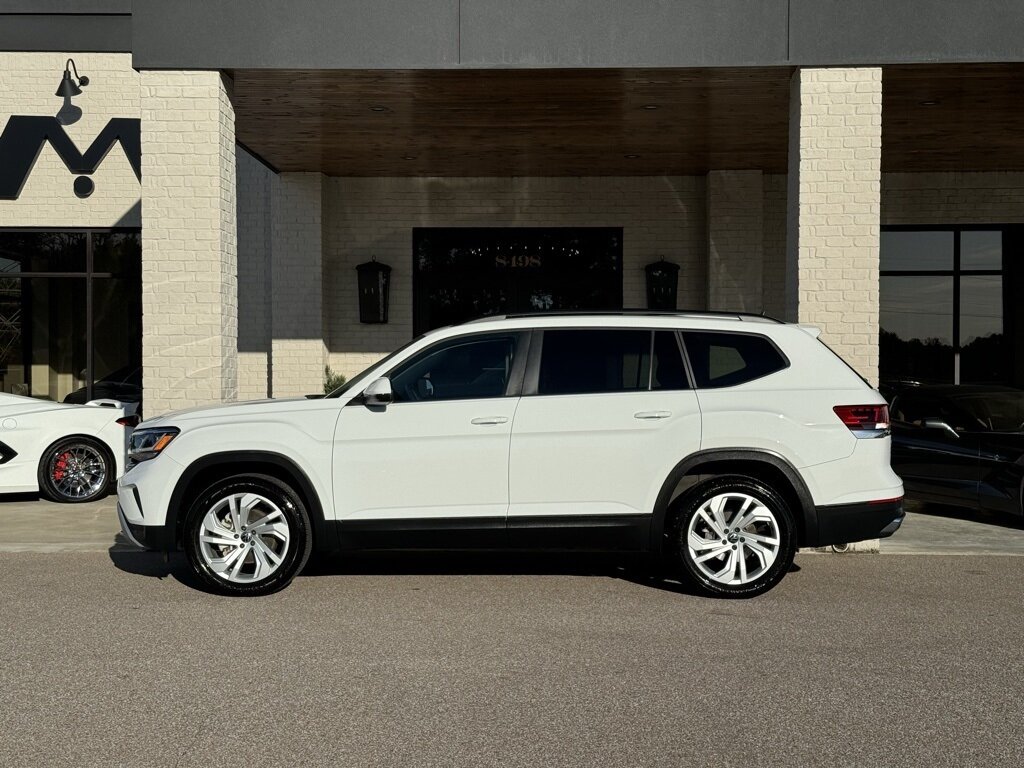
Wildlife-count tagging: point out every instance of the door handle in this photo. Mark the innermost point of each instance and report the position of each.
(652, 415)
(485, 420)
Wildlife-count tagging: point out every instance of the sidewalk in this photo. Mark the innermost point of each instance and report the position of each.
(32, 525)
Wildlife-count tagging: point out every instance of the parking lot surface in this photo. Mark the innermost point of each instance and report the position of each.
(458, 660)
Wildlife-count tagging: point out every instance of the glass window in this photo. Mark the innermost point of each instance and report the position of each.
(916, 321)
(994, 411)
(56, 343)
(728, 359)
(981, 249)
(464, 272)
(923, 250)
(668, 371)
(588, 361)
(983, 352)
(43, 251)
(462, 369)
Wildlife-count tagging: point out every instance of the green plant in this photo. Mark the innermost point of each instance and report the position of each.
(332, 380)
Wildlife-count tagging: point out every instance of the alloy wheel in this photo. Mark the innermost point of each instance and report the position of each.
(733, 538)
(78, 471)
(244, 538)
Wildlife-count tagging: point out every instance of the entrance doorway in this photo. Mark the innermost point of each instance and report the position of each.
(460, 273)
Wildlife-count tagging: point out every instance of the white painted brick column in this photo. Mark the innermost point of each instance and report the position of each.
(835, 150)
(834, 196)
(189, 274)
(735, 240)
(298, 348)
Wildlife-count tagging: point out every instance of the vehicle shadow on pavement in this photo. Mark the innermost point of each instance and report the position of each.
(633, 569)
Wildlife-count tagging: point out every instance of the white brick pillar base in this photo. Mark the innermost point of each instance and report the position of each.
(298, 351)
(835, 152)
(834, 202)
(189, 295)
(735, 240)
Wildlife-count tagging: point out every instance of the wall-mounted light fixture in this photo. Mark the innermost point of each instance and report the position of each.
(69, 113)
(662, 285)
(373, 281)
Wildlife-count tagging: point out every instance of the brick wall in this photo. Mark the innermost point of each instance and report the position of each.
(735, 212)
(367, 217)
(189, 268)
(254, 277)
(833, 213)
(27, 85)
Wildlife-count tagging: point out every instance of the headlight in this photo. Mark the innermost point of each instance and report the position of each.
(146, 444)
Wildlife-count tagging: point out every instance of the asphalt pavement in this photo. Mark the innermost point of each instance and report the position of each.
(452, 660)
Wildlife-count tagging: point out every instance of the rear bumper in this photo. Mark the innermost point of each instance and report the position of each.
(847, 523)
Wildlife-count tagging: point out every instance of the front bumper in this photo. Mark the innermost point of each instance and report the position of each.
(847, 523)
(142, 536)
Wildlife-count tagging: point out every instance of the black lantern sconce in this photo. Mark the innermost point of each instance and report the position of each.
(374, 279)
(69, 113)
(662, 282)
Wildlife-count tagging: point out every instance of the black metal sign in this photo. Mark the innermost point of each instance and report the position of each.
(23, 139)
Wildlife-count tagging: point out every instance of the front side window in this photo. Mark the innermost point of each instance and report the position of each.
(459, 369)
(728, 359)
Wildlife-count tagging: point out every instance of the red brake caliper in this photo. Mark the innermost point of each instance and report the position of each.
(60, 466)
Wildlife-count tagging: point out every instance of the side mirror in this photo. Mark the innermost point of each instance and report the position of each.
(939, 424)
(378, 392)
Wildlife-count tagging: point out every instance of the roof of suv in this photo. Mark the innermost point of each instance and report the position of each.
(631, 313)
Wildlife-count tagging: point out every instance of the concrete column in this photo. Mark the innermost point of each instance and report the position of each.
(835, 150)
(298, 348)
(189, 274)
(735, 202)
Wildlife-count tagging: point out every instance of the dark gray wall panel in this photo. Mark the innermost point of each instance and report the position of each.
(65, 33)
(298, 34)
(614, 33)
(66, 6)
(894, 31)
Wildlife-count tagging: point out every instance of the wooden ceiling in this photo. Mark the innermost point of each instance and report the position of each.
(514, 122)
(604, 122)
(953, 117)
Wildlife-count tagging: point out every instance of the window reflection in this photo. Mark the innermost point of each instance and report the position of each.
(983, 357)
(917, 251)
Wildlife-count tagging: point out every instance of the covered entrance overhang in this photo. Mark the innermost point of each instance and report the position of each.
(605, 122)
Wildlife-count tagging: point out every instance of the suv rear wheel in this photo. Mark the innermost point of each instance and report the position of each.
(733, 537)
(248, 535)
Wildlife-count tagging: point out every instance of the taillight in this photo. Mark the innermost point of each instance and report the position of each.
(129, 421)
(865, 420)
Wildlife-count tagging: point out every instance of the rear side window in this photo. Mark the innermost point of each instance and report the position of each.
(728, 359)
(588, 361)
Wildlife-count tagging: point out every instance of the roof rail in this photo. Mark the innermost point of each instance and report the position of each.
(633, 311)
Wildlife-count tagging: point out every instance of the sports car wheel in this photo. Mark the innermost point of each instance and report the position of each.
(248, 535)
(75, 470)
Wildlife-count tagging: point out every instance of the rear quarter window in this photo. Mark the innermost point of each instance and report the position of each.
(722, 359)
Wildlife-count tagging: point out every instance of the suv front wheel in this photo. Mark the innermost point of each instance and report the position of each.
(733, 537)
(248, 535)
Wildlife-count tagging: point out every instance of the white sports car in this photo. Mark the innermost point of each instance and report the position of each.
(69, 453)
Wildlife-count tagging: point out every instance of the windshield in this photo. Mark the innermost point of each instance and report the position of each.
(995, 411)
(359, 379)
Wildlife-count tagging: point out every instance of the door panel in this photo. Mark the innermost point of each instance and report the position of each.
(597, 454)
(440, 450)
(424, 460)
(934, 462)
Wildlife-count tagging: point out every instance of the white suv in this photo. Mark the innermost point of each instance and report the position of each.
(718, 443)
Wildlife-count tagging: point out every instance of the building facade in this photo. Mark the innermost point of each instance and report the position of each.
(188, 226)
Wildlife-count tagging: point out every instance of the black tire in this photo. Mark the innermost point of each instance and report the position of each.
(50, 469)
(678, 552)
(295, 557)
